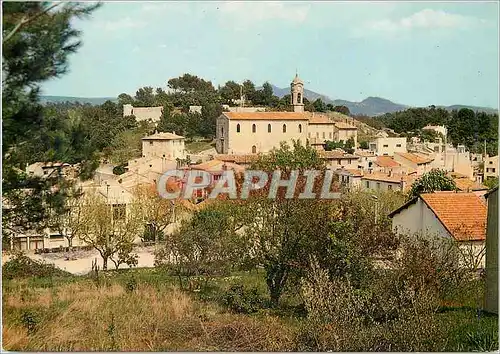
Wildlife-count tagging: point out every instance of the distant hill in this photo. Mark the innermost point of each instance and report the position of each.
(371, 106)
(82, 100)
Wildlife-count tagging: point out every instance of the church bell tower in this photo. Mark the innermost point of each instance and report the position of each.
(297, 94)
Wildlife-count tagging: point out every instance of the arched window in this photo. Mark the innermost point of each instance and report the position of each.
(254, 128)
(300, 128)
(299, 98)
(284, 128)
(222, 130)
(254, 149)
(269, 128)
(237, 128)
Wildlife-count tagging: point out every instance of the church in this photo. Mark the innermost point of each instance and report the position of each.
(260, 132)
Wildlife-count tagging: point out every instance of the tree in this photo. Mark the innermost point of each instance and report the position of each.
(319, 105)
(110, 229)
(491, 182)
(208, 243)
(283, 229)
(38, 38)
(230, 91)
(249, 90)
(124, 99)
(342, 109)
(156, 212)
(364, 145)
(434, 180)
(145, 97)
(209, 114)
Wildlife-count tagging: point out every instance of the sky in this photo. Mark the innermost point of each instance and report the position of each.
(415, 53)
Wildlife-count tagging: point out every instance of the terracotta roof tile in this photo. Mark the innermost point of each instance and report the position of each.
(317, 118)
(386, 161)
(163, 136)
(392, 178)
(462, 214)
(243, 158)
(218, 166)
(365, 153)
(266, 115)
(346, 126)
(335, 154)
(414, 157)
(465, 184)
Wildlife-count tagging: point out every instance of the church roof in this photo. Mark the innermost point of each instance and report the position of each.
(266, 115)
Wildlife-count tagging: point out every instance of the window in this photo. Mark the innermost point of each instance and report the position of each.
(299, 98)
(300, 128)
(386, 145)
(491, 162)
(119, 211)
(132, 112)
(237, 128)
(254, 128)
(269, 128)
(254, 149)
(150, 143)
(309, 134)
(317, 134)
(323, 135)
(493, 170)
(222, 131)
(284, 128)
(367, 184)
(389, 187)
(330, 135)
(397, 145)
(378, 185)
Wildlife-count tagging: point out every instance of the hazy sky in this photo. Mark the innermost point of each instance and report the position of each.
(416, 53)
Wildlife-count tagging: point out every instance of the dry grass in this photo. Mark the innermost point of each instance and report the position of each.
(86, 318)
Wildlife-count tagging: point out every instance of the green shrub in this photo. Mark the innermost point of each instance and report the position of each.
(241, 300)
(21, 266)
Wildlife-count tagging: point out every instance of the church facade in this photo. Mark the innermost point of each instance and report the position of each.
(260, 132)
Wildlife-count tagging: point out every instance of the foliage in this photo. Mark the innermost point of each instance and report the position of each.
(242, 300)
(342, 109)
(364, 145)
(434, 180)
(207, 243)
(491, 182)
(22, 266)
(38, 38)
(347, 146)
(109, 229)
(465, 126)
(154, 211)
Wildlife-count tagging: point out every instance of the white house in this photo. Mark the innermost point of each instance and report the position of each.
(387, 146)
(456, 215)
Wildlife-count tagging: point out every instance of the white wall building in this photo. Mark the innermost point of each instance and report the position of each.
(388, 146)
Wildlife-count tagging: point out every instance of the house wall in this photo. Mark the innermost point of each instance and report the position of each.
(388, 146)
(170, 149)
(490, 167)
(242, 142)
(143, 113)
(379, 185)
(222, 135)
(491, 293)
(418, 218)
(321, 132)
(346, 134)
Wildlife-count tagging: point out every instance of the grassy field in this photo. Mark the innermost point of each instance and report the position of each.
(144, 310)
(195, 147)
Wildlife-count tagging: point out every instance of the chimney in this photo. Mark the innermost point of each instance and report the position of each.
(173, 132)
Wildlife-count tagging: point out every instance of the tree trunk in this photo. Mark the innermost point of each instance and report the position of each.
(104, 263)
(275, 279)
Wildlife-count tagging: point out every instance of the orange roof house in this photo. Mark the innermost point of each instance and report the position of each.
(459, 215)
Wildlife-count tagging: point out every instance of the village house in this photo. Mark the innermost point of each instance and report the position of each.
(441, 129)
(167, 145)
(388, 146)
(490, 167)
(338, 158)
(251, 132)
(152, 114)
(382, 181)
(416, 162)
(458, 216)
(366, 159)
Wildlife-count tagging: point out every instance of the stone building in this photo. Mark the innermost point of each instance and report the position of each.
(143, 113)
(254, 132)
(388, 146)
(490, 167)
(167, 145)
